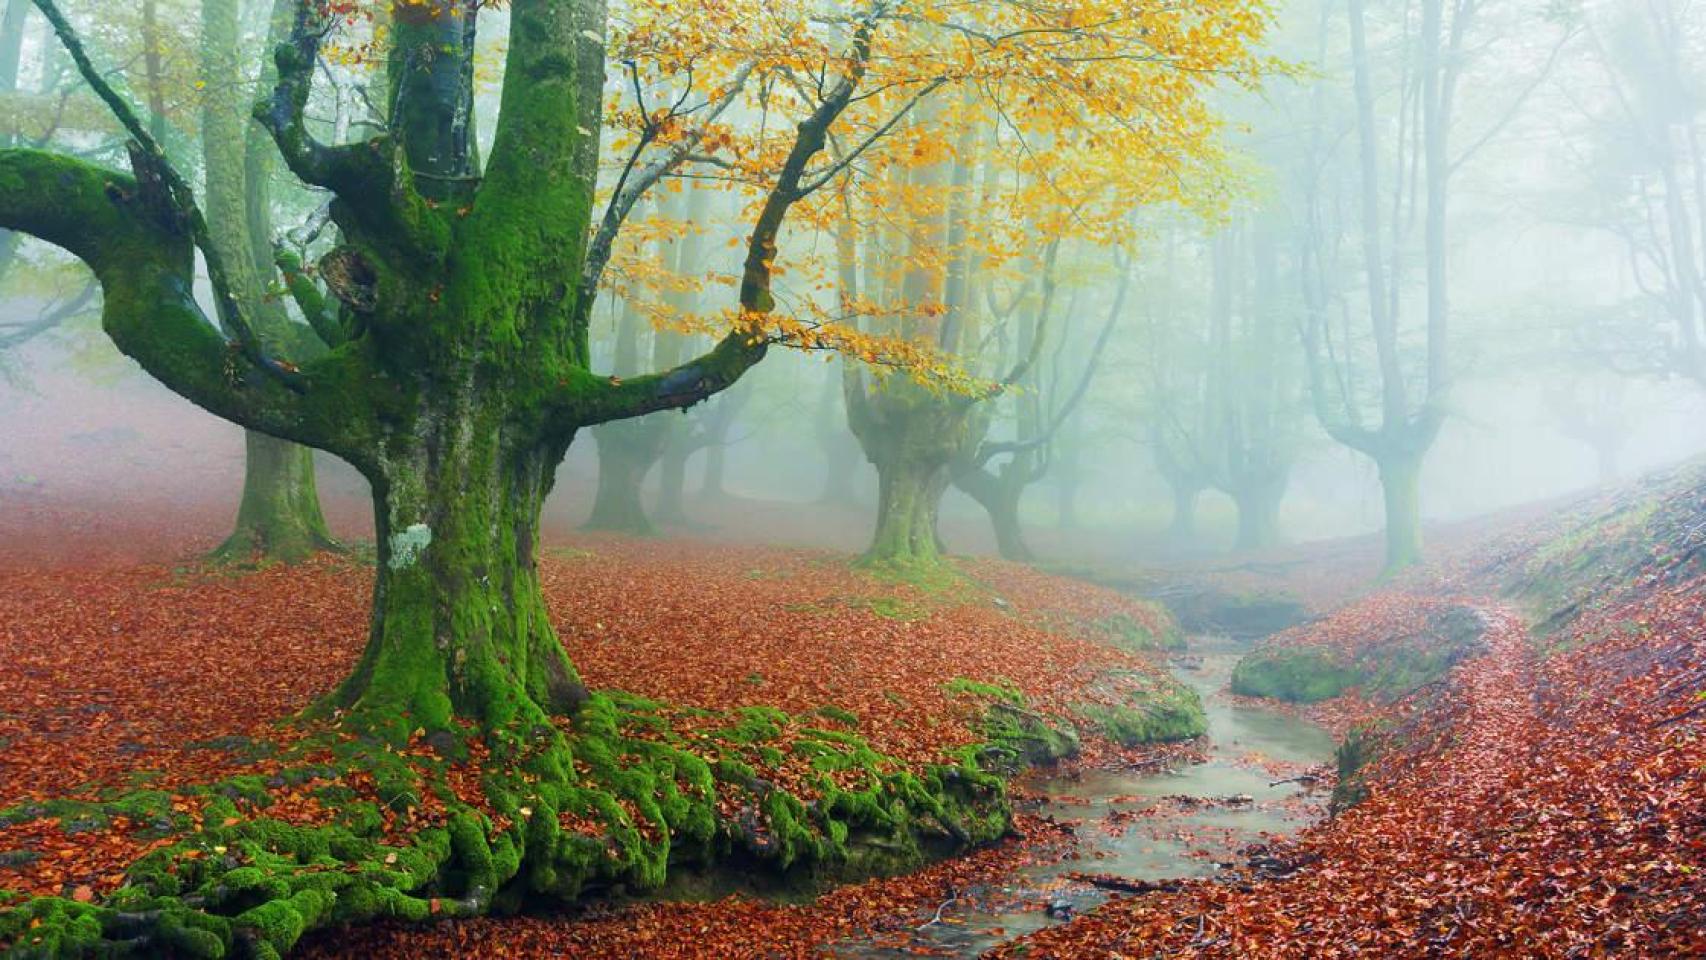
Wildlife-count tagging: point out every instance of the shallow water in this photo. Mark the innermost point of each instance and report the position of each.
(1162, 825)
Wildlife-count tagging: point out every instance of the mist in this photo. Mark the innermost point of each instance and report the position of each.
(786, 444)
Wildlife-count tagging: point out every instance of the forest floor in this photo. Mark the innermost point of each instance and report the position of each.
(1546, 798)
(125, 670)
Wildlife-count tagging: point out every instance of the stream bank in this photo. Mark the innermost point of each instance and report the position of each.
(1138, 825)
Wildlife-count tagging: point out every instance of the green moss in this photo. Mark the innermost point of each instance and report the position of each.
(1004, 691)
(1359, 748)
(1127, 632)
(1296, 675)
(1014, 736)
(891, 608)
(1164, 711)
(645, 802)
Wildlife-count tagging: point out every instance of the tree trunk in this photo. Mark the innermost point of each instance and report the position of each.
(280, 514)
(1183, 529)
(999, 492)
(716, 467)
(1401, 482)
(1258, 515)
(841, 466)
(1068, 473)
(626, 452)
(909, 497)
(672, 480)
(460, 627)
(913, 438)
(279, 517)
(1009, 533)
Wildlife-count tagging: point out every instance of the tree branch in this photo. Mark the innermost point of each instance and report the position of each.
(146, 269)
(746, 344)
(630, 187)
(370, 179)
(162, 187)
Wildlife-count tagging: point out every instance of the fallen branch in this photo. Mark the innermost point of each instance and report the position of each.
(1106, 881)
(937, 918)
(1684, 715)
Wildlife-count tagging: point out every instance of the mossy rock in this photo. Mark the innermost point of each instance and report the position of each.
(1291, 674)
(1014, 736)
(1165, 712)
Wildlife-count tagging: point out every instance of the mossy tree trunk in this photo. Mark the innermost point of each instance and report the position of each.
(1401, 491)
(278, 517)
(912, 437)
(460, 627)
(909, 498)
(454, 361)
(627, 450)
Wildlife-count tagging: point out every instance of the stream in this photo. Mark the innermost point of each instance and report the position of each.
(1140, 825)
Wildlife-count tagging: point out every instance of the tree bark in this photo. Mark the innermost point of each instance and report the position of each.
(279, 517)
(460, 627)
(672, 480)
(626, 452)
(1183, 527)
(999, 492)
(909, 497)
(1400, 484)
(1258, 515)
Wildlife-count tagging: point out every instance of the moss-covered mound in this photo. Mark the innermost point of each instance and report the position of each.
(1154, 709)
(346, 831)
(1639, 537)
(1382, 667)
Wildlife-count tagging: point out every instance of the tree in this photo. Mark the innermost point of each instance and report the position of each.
(1643, 181)
(996, 473)
(455, 364)
(1055, 150)
(1175, 383)
(278, 517)
(1393, 413)
(1254, 389)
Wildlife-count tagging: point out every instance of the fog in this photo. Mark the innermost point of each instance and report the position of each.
(1537, 221)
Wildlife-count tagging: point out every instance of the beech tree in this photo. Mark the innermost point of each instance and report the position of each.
(452, 368)
(1055, 145)
(1384, 390)
(279, 516)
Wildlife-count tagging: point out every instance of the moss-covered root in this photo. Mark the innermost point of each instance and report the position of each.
(616, 804)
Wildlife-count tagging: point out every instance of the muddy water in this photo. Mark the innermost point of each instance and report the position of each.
(1162, 825)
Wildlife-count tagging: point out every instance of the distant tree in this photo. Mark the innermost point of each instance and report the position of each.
(1384, 389)
(278, 517)
(1641, 155)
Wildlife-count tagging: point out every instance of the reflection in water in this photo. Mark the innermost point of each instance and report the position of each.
(1142, 826)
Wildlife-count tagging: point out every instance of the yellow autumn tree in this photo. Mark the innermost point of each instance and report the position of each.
(451, 295)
